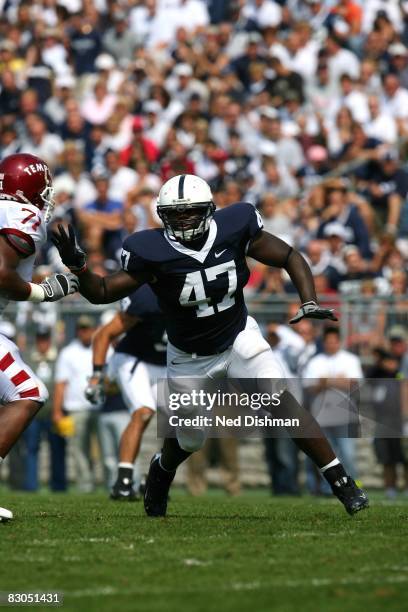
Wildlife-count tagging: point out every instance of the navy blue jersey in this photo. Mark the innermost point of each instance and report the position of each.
(200, 292)
(146, 340)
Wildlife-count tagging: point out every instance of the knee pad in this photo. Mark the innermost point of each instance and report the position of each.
(192, 440)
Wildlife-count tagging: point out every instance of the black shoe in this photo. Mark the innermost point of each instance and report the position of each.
(351, 496)
(156, 493)
(124, 492)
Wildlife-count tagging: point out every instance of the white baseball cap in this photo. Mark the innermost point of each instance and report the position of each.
(183, 70)
(104, 61)
(65, 80)
(335, 229)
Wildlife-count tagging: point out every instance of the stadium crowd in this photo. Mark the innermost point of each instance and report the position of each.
(299, 107)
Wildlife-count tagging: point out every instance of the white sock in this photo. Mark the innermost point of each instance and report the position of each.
(124, 464)
(329, 465)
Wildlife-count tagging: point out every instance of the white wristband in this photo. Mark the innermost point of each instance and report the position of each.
(37, 293)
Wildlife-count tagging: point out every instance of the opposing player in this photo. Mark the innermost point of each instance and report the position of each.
(197, 268)
(138, 362)
(25, 208)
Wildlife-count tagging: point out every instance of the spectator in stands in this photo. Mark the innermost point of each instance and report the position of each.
(340, 60)
(276, 216)
(9, 94)
(339, 208)
(336, 237)
(288, 150)
(315, 168)
(40, 142)
(119, 40)
(121, 178)
(380, 124)
(73, 367)
(141, 147)
(280, 452)
(387, 399)
(85, 43)
(42, 360)
(398, 345)
(330, 380)
(98, 107)
(388, 189)
(101, 218)
(395, 98)
(55, 106)
(357, 270)
(113, 418)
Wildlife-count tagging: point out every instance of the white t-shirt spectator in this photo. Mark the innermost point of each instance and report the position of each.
(397, 105)
(304, 62)
(355, 101)
(371, 8)
(383, 127)
(57, 58)
(82, 188)
(74, 367)
(49, 149)
(121, 183)
(288, 151)
(155, 30)
(342, 363)
(332, 407)
(269, 14)
(193, 14)
(344, 62)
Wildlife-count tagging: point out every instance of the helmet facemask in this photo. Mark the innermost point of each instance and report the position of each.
(44, 200)
(186, 222)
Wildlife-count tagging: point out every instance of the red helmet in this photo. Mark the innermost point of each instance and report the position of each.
(28, 179)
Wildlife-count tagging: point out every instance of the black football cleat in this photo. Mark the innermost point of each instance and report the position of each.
(122, 491)
(351, 496)
(156, 493)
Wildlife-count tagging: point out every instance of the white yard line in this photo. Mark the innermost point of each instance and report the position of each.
(245, 586)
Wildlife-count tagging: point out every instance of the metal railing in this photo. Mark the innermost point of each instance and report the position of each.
(376, 315)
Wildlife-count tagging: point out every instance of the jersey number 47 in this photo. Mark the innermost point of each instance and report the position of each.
(193, 292)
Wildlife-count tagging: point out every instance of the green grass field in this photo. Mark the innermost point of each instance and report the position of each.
(253, 553)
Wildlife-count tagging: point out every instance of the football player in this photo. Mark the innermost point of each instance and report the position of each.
(138, 362)
(26, 206)
(196, 265)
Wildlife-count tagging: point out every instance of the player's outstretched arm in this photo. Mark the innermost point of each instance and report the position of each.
(102, 339)
(13, 287)
(106, 334)
(96, 289)
(273, 251)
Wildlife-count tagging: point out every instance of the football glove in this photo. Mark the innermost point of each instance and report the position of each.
(71, 253)
(58, 286)
(311, 310)
(95, 391)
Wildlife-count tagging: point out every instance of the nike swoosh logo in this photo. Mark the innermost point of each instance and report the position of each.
(220, 253)
(176, 362)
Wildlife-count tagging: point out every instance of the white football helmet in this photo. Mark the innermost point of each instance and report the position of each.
(185, 206)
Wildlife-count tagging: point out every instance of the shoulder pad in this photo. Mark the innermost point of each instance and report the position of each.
(21, 242)
(241, 218)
